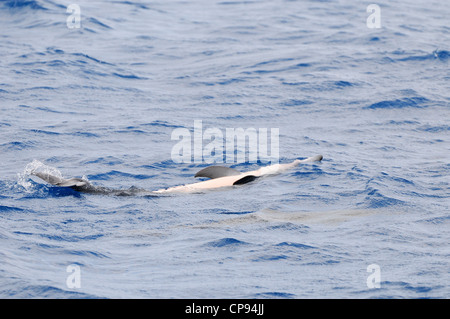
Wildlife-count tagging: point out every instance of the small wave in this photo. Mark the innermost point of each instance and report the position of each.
(434, 129)
(18, 290)
(294, 245)
(84, 134)
(88, 253)
(375, 199)
(270, 257)
(23, 4)
(294, 83)
(334, 85)
(74, 63)
(10, 209)
(128, 76)
(230, 117)
(159, 123)
(402, 285)
(296, 103)
(17, 146)
(417, 58)
(324, 86)
(273, 61)
(342, 84)
(45, 109)
(310, 173)
(108, 160)
(235, 212)
(441, 55)
(226, 242)
(42, 88)
(440, 220)
(97, 22)
(88, 57)
(230, 81)
(275, 295)
(406, 122)
(56, 63)
(136, 4)
(413, 102)
(279, 70)
(35, 131)
(70, 238)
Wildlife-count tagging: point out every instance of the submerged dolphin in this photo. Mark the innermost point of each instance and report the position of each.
(220, 176)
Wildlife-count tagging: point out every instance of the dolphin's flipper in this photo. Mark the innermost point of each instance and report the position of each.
(217, 171)
(245, 180)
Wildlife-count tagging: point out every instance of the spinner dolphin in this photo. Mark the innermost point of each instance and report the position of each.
(219, 176)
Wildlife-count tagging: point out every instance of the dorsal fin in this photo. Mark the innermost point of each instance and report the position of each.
(217, 171)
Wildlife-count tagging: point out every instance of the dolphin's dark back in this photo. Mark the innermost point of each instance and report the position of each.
(82, 185)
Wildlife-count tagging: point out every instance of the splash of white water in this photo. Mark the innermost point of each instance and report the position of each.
(23, 178)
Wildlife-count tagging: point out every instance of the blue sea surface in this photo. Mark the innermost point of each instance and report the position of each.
(102, 101)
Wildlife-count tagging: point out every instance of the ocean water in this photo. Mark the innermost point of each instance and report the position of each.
(102, 101)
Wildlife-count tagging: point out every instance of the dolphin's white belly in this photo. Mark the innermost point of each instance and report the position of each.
(230, 180)
(209, 184)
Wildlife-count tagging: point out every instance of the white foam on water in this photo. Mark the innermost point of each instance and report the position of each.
(23, 179)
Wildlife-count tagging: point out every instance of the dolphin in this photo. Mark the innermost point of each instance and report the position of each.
(219, 176)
